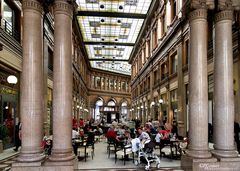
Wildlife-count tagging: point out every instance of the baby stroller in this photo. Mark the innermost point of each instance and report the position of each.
(146, 154)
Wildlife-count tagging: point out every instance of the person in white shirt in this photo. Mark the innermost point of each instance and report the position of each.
(75, 134)
(143, 136)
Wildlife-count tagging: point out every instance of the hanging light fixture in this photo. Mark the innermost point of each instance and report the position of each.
(12, 79)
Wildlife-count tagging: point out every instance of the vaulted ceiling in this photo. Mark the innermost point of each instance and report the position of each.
(110, 29)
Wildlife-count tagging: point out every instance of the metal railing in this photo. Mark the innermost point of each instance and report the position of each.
(8, 28)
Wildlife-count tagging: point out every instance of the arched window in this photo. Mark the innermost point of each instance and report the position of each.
(98, 104)
(110, 106)
(124, 111)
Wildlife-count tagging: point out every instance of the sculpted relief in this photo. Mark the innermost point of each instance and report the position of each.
(236, 4)
(210, 4)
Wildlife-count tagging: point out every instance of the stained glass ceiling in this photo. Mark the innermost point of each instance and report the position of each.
(110, 29)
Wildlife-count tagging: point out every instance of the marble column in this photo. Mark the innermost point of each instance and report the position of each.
(198, 87)
(62, 83)
(32, 95)
(223, 117)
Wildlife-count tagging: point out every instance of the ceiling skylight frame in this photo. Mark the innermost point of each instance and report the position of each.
(114, 23)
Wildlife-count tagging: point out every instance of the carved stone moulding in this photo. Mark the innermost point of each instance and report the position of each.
(61, 6)
(224, 15)
(32, 5)
(198, 14)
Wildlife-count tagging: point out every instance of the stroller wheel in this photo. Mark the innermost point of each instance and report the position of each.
(158, 166)
(136, 162)
(147, 167)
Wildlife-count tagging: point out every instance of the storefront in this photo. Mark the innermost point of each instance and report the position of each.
(9, 105)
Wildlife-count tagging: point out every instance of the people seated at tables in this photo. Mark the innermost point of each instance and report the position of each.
(98, 131)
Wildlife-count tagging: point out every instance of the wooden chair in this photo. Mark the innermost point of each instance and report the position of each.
(124, 152)
(111, 145)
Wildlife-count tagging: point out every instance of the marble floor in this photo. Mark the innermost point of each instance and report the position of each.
(101, 161)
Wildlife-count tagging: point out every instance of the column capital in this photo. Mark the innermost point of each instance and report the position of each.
(62, 6)
(225, 5)
(197, 4)
(224, 15)
(33, 5)
(198, 14)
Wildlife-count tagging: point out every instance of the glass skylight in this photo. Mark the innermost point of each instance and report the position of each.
(123, 6)
(110, 29)
(109, 52)
(114, 66)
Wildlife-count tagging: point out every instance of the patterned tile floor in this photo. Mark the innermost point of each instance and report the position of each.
(101, 162)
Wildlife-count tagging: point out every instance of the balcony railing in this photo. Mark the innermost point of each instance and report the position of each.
(8, 28)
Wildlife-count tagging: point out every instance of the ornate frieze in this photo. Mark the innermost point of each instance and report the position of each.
(61, 6)
(236, 4)
(198, 14)
(32, 4)
(224, 15)
(210, 4)
(197, 4)
(224, 5)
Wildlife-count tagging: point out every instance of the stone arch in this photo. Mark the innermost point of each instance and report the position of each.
(112, 99)
(123, 100)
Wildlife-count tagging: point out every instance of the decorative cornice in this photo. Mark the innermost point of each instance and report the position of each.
(32, 4)
(61, 6)
(224, 15)
(198, 14)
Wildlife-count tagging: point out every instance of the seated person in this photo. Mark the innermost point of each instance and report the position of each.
(75, 135)
(98, 131)
(166, 132)
(127, 137)
(111, 134)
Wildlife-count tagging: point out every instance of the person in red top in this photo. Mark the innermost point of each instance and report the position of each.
(166, 132)
(81, 123)
(112, 134)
